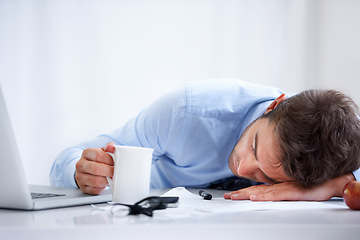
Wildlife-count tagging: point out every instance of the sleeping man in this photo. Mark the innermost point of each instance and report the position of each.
(249, 139)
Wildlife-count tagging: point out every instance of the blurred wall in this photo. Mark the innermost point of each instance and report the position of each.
(71, 70)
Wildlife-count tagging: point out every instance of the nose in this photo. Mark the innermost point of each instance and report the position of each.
(248, 168)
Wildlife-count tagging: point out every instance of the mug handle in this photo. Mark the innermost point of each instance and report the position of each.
(109, 180)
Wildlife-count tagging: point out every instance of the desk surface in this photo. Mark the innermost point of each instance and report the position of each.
(325, 220)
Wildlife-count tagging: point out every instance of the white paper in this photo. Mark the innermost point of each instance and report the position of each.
(192, 205)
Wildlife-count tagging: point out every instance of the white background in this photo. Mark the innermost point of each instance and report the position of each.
(71, 70)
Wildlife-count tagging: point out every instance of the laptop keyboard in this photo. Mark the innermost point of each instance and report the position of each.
(45, 195)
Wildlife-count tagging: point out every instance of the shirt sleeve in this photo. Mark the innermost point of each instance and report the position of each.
(62, 172)
(356, 174)
(150, 128)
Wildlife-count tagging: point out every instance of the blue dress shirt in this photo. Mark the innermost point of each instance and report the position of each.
(192, 131)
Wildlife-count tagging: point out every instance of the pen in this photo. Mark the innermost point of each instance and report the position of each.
(205, 195)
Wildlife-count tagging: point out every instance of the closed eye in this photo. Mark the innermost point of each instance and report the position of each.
(254, 147)
(270, 179)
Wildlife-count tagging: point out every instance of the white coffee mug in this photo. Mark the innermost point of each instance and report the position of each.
(132, 168)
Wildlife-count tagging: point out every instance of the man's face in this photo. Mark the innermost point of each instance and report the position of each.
(255, 156)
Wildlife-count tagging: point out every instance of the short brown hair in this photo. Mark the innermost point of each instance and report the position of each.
(318, 132)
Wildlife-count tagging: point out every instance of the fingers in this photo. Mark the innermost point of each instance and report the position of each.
(91, 176)
(253, 193)
(90, 184)
(92, 190)
(227, 195)
(93, 168)
(110, 147)
(97, 155)
(275, 192)
(247, 193)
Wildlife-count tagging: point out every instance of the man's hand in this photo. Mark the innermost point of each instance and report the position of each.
(292, 191)
(93, 168)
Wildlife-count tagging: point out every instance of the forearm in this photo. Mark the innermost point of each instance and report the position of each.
(338, 184)
(293, 191)
(63, 168)
(152, 128)
(329, 189)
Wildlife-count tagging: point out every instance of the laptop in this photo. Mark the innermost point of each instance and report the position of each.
(15, 193)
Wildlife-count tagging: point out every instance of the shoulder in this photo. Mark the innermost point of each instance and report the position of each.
(227, 85)
(226, 97)
(215, 98)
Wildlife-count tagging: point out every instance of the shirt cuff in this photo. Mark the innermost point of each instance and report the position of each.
(356, 174)
(69, 172)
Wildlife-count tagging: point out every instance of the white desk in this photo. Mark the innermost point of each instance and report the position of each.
(86, 222)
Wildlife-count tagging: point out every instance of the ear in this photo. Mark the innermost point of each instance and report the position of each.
(276, 102)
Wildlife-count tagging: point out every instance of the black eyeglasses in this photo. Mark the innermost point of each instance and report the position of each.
(145, 206)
